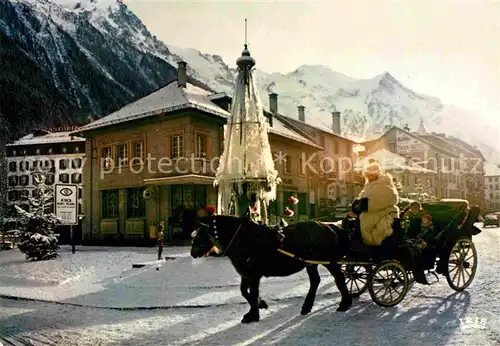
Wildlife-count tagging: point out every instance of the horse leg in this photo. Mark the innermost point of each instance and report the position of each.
(336, 271)
(253, 300)
(314, 280)
(246, 294)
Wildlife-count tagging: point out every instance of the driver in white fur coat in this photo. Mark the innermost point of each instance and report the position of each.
(377, 205)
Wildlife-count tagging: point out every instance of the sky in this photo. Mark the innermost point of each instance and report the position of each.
(444, 48)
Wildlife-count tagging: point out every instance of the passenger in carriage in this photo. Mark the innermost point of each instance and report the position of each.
(378, 214)
(376, 205)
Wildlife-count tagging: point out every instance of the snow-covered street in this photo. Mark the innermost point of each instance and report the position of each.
(95, 297)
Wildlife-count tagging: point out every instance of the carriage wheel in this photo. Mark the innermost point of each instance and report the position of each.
(388, 283)
(462, 264)
(356, 279)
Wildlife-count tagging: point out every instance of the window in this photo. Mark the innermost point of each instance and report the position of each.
(38, 151)
(64, 150)
(136, 205)
(23, 195)
(177, 146)
(200, 196)
(76, 178)
(13, 195)
(64, 178)
(63, 164)
(110, 203)
(77, 149)
(80, 192)
(14, 153)
(12, 167)
(106, 157)
(122, 154)
(50, 151)
(49, 179)
(48, 164)
(25, 180)
(76, 163)
(302, 169)
(288, 164)
(13, 181)
(138, 148)
(335, 147)
(35, 166)
(201, 145)
(24, 166)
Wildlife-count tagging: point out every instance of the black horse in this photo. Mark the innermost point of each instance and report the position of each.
(253, 251)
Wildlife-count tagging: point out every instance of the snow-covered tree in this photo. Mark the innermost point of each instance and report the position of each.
(38, 241)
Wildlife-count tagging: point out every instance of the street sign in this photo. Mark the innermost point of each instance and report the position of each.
(66, 203)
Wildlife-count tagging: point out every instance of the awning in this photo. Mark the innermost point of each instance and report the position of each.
(181, 179)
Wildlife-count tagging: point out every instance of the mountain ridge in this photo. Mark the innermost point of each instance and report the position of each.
(127, 61)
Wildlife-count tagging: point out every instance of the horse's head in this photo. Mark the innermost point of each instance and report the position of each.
(215, 233)
(201, 244)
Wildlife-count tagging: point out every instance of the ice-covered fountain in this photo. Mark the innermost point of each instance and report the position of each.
(246, 175)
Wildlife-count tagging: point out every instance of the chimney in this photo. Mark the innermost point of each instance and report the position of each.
(273, 103)
(336, 123)
(302, 113)
(181, 74)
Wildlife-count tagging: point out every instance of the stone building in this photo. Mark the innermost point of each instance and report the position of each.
(57, 154)
(337, 182)
(492, 183)
(155, 160)
(458, 166)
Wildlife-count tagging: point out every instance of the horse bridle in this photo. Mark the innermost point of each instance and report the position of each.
(215, 238)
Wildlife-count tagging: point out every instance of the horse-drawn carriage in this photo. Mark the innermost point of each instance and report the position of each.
(258, 251)
(448, 251)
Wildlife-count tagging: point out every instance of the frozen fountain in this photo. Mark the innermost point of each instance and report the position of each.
(246, 175)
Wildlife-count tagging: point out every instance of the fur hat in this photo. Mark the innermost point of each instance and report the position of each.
(373, 168)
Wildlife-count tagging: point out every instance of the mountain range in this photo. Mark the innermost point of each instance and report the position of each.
(72, 61)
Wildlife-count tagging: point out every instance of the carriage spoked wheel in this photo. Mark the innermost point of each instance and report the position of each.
(388, 284)
(356, 279)
(462, 264)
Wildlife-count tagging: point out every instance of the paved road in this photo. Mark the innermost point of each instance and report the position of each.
(209, 312)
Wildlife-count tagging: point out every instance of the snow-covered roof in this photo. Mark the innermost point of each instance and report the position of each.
(323, 128)
(422, 129)
(491, 170)
(281, 129)
(391, 161)
(171, 98)
(167, 99)
(51, 137)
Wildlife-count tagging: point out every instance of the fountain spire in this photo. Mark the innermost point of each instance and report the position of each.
(246, 176)
(245, 61)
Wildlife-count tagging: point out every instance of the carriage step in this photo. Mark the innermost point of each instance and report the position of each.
(429, 274)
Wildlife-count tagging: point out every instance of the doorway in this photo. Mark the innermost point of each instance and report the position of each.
(185, 203)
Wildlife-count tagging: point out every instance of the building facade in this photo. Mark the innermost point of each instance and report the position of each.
(492, 182)
(56, 154)
(337, 182)
(458, 167)
(155, 160)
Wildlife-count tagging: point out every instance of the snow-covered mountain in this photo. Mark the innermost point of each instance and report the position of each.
(99, 55)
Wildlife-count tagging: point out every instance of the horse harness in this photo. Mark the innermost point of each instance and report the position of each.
(308, 261)
(215, 240)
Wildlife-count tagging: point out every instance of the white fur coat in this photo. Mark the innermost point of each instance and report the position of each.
(376, 223)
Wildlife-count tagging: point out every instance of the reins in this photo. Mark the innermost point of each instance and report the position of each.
(215, 238)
